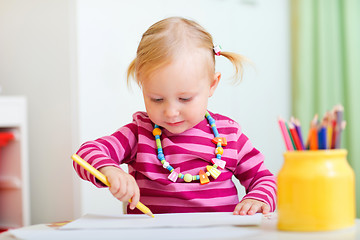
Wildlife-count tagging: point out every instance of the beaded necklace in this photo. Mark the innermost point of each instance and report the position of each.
(210, 170)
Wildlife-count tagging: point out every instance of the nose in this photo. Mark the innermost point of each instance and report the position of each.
(171, 111)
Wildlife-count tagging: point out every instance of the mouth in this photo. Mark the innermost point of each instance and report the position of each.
(174, 124)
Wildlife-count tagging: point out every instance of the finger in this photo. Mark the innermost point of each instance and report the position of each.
(265, 209)
(245, 208)
(122, 190)
(135, 198)
(130, 192)
(254, 208)
(114, 186)
(237, 208)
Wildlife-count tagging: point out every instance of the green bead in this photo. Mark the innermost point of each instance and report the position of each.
(188, 177)
(158, 143)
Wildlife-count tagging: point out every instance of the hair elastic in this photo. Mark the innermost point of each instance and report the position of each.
(217, 50)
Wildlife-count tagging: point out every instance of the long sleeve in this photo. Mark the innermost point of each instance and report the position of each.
(108, 151)
(259, 182)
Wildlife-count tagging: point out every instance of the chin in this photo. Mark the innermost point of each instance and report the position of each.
(176, 131)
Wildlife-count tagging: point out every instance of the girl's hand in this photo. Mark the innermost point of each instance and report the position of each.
(250, 207)
(122, 185)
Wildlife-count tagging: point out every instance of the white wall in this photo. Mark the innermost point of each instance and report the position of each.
(35, 61)
(109, 31)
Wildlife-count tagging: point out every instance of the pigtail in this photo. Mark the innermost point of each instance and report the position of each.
(238, 62)
(131, 73)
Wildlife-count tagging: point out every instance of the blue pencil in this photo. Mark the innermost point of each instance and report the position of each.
(322, 138)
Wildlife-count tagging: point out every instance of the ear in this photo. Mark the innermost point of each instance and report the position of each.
(214, 83)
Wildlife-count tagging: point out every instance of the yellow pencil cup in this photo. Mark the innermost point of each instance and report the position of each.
(316, 191)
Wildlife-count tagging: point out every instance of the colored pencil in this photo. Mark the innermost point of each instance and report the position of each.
(285, 134)
(339, 111)
(295, 136)
(322, 138)
(329, 129)
(298, 130)
(313, 142)
(290, 136)
(333, 137)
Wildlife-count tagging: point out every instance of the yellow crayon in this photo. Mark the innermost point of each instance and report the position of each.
(101, 177)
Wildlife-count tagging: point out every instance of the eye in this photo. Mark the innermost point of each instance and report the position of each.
(185, 99)
(157, 100)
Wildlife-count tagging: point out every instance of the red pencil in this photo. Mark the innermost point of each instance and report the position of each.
(295, 136)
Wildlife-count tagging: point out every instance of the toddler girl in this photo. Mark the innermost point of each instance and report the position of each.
(181, 157)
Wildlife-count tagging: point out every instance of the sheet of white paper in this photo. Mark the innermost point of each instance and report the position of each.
(172, 220)
(201, 233)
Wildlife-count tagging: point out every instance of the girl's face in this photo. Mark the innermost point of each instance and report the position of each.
(176, 95)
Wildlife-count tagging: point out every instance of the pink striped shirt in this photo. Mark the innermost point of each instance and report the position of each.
(192, 151)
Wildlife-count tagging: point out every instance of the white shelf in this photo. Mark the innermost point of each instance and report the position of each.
(14, 180)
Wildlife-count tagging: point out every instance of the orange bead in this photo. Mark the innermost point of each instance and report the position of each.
(203, 177)
(221, 140)
(219, 150)
(156, 131)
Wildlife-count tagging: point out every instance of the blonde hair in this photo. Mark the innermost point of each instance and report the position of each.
(160, 43)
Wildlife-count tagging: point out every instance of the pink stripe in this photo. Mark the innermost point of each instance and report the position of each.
(270, 195)
(261, 192)
(245, 150)
(269, 179)
(248, 173)
(147, 141)
(120, 152)
(250, 163)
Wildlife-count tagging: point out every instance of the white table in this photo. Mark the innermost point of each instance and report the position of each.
(266, 231)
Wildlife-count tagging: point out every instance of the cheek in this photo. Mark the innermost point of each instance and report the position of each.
(152, 111)
(198, 109)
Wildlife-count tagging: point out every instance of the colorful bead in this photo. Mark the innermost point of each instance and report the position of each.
(156, 131)
(211, 121)
(220, 163)
(188, 177)
(166, 164)
(203, 178)
(213, 171)
(216, 133)
(158, 143)
(174, 174)
(220, 140)
(219, 150)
